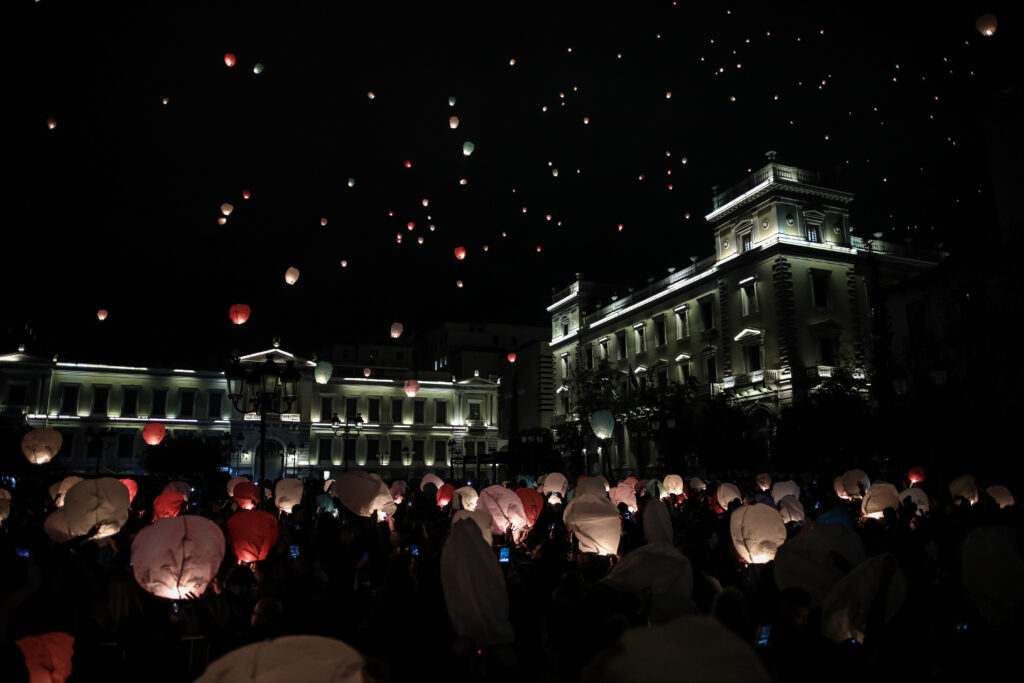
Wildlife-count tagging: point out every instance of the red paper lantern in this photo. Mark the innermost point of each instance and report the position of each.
(252, 533)
(229, 59)
(246, 194)
(445, 495)
(916, 474)
(246, 494)
(167, 505)
(511, 358)
(538, 247)
(460, 253)
(239, 313)
(132, 487)
(533, 503)
(408, 164)
(153, 433)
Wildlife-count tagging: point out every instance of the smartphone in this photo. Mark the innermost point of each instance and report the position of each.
(763, 633)
(503, 554)
(415, 550)
(294, 551)
(174, 607)
(551, 527)
(22, 552)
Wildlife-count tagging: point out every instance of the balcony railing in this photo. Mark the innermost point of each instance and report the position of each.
(772, 171)
(13, 411)
(764, 376)
(892, 249)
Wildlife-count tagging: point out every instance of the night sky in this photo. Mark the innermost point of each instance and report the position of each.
(648, 105)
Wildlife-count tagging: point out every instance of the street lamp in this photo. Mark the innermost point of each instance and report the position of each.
(340, 427)
(456, 453)
(255, 392)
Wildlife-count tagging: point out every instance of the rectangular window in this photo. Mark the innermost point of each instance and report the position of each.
(565, 366)
(418, 449)
(125, 445)
(828, 351)
(746, 242)
(711, 368)
(440, 451)
(819, 288)
(159, 408)
(325, 450)
(69, 400)
(640, 338)
(100, 398)
(418, 409)
(682, 323)
(396, 411)
(662, 376)
(814, 233)
(752, 357)
(326, 408)
(374, 406)
(604, 349)
(684, 372)
(16, 394)
(474, 411)
(748, 297)
(707, 313)
(659, 331)
(215, 409)
(372, 448)
(188, 402)
(129, 402)
(395, 449)
(351, 408)
(440, 412)
(590, 357)
(620, 344)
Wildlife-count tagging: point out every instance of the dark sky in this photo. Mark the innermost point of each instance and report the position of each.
(117, 206)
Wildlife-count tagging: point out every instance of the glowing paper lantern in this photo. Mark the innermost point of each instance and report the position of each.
(407, 164)
(764, 481)
(61, 488)
(465, 498)
(396, 330)
(101, 503)
(878, 498)
(246, 494)
(458, 283)
(474, 587)
(964, 487)
(257, 69)
(505, 508)
(351, 182)
(592, 485)
(919, 498)
(595, 523)
(467, 148)
(412, 387)
(453, 122)
(555, 483)
(51, 123)
(167, 505)
(602, 422)
(222, 221)
(915, 474)
(697, 484)
(986, 24)
(785, 488)
(431, 478)
(251, 534)
(460, 253)
(295, 658)
(226, 209)
(397, 490)
(727, 493)
(791, 509)
(845, 610)
(322, 372)
(229, 59)
(856, 484)
(674, 484)
(55, 526)
(132, 487)
(366, 372)
(5, 504)
(1001, 495)
(323, 222)
(445, 495)
(451, 101)
(511, 358)
(291, 276)
(239, 313)
(757, 532)
(344, 263)
(623, 493)
(235, 481)
(176, 558)
(288, 494)
(180, 487)
(364, 493)
(533, 504)
(102, 314)
(370, 95)
(153, 433)
(41, 445)
(48, 657)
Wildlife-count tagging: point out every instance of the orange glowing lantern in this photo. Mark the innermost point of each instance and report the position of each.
(229, 59)
(412, 387)
(323, 222)
(986, 24)
(410, 225)
(252, 533)
(408, 164)
(916, 474)
(246, 194)
(511, 358)
(453, 122)
(291, 276)
(226, 209)
(246, 495)
(167, 505)
(460, 253)
(132, 487)
(396, 330)
(153, 433)
(41, 445)
(445, 495)
(102, 314)
(366, 372)
(222, 221)
(51, 123)
(458, 283)
(239, 313)
(344, 263)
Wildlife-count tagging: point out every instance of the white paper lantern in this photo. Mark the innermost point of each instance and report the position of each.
(505, 508)
(322, 374)
(41, 445)
(657, 523)
(60, 489)
(697, 484)
(480, 517)
(290, 658)
(964, 487)
(1001, 495)
(453, 122)
(181, 487)
(855, 484)
(791, 509)
(623, 493)
(727, 493)
(764, 481)
(396, 330)
(757, 532)
(845, 610)
(592, 485)
(474, 588)
(555, 483)
(5, 504)
(233, 482)
(176, 556)
(226, 209)
(658, 575)
(816, 561)
(287, 494)
(363, 493)
(431, 478)
(782, 489)
(291, 276)
(595, 523)
(920, 499)
(987, 24)
(101, 503)
(878, 498)
(673, 484)
(466, 498)
(55, 526)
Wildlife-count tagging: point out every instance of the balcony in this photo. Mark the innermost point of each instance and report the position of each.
(764, 377)
(774, 172)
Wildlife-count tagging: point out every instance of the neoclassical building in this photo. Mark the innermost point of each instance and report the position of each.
(781, 303)
(449, 427)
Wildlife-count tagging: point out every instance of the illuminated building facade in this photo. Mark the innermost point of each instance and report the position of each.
(781, 304)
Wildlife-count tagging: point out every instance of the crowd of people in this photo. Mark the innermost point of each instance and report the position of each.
(933, 591)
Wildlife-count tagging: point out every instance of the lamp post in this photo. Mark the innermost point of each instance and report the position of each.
(456, 453)
(256, 390)
(340, 427)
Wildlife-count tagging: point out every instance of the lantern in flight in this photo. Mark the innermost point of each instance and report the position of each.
(226, 209)
(239, 313)
(602, 422)
(51, 123)
(41, 445)
(153, 433)
(222, 221)
(366, 372)
(351, 182)
(229, 59)
(407, 164)
(412, 387)
(258, 69)
(986, 24)
(252, 533)
(458, 283)
(467, 148)
(233, 482)
(451, 101)
(323, 222)
(511, 358)
(453, 122)
(100, 503)
(177, 557)
(322, 372)
(460, 253)
(291, 276)
(396, 330)
(915, 474)
(344, 263)
(102, 314)
(246, 194)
